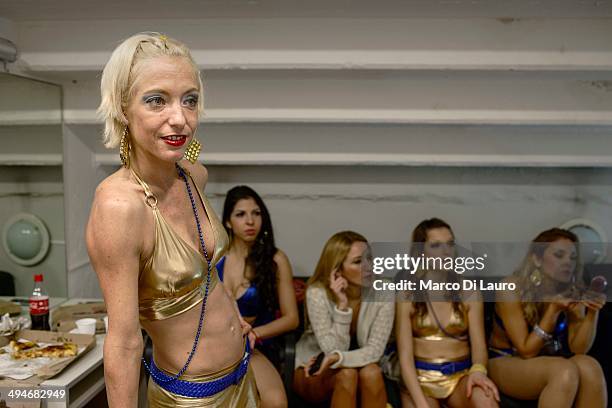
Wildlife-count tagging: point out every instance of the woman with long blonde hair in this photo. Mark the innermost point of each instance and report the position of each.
(349, 334)
(542, 331)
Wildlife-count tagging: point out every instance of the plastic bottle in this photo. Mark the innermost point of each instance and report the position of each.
(39, 305)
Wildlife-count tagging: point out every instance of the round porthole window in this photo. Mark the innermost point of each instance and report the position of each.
(593, 239)
(25, 239)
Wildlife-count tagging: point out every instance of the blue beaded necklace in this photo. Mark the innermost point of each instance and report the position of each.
(182, 174)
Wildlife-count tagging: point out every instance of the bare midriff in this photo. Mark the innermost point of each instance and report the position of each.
(441, 350)
(221, 342)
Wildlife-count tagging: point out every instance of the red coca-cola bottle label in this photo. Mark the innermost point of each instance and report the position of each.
(39, 306)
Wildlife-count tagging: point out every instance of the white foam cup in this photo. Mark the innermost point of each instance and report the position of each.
(86, 326)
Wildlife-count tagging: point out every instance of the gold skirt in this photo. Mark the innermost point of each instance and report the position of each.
(244, 394)
(437, 385)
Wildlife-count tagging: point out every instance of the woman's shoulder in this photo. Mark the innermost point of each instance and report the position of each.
(316, 290)
(283, 265)
(280, 256)
(317, 295)
(197, 171)
(120, 196)
(511, 291)
(117, 219)
(470, 296)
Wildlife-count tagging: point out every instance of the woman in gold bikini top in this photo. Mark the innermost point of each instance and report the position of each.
(441, 344)
(158, 270)
(170, 278)
(425, 326)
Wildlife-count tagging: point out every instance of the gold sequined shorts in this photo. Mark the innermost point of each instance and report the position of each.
(437, 385)
(241, 395)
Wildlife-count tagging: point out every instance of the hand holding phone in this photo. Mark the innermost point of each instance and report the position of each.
(317, 364)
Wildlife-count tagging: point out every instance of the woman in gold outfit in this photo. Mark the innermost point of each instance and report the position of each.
(441, 344)
(154, 239)
(542, 332)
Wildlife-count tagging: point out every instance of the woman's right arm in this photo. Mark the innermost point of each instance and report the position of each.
(527, 343)
(289, 318)
(403, 334)
(114, 242)
(332, 331)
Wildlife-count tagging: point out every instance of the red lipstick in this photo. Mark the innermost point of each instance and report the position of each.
(175, 140)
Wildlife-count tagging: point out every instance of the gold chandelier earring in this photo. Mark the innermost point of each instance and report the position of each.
(536, 277)
(193, 151)
(124, 148)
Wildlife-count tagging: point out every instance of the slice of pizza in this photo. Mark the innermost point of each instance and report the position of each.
(22, 345)
(60, 350)
(53, 351)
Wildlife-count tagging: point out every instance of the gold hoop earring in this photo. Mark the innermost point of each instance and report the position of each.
(536, 277)
(193, 151)
(124, 149)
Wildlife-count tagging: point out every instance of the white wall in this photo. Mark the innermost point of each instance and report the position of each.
(500, 126)
(38, 191)
(31, 178)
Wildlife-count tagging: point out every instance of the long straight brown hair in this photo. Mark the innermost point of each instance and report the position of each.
(419, 238)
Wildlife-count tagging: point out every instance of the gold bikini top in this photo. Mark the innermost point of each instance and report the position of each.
(170, 280)
(425, 326)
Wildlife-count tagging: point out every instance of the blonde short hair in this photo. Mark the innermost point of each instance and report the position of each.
(122, 69)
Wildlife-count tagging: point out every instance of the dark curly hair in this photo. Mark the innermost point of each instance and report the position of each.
(261, 255)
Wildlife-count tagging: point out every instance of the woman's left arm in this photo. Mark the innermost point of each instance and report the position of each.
(583, 324)
(479, 351)
(289, 318)
(478, 343)
(371, 352)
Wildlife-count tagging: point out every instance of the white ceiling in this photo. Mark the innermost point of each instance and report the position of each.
(33, 10)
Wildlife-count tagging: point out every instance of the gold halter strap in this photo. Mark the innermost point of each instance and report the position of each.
(150, 199)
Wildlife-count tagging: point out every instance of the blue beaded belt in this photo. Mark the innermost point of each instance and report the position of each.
(201, 389)
(444, 368)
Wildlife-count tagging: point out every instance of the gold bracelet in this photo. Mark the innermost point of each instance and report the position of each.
(478, 368)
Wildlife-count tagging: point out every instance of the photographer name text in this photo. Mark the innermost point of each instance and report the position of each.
(467, 284)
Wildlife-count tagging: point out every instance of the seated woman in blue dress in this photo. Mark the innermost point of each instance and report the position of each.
(541, 333)
(258, 275)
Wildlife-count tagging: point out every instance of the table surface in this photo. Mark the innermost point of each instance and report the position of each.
(88, 366)
(85, 364)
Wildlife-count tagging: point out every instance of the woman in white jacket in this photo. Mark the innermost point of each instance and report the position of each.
(350, 332)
